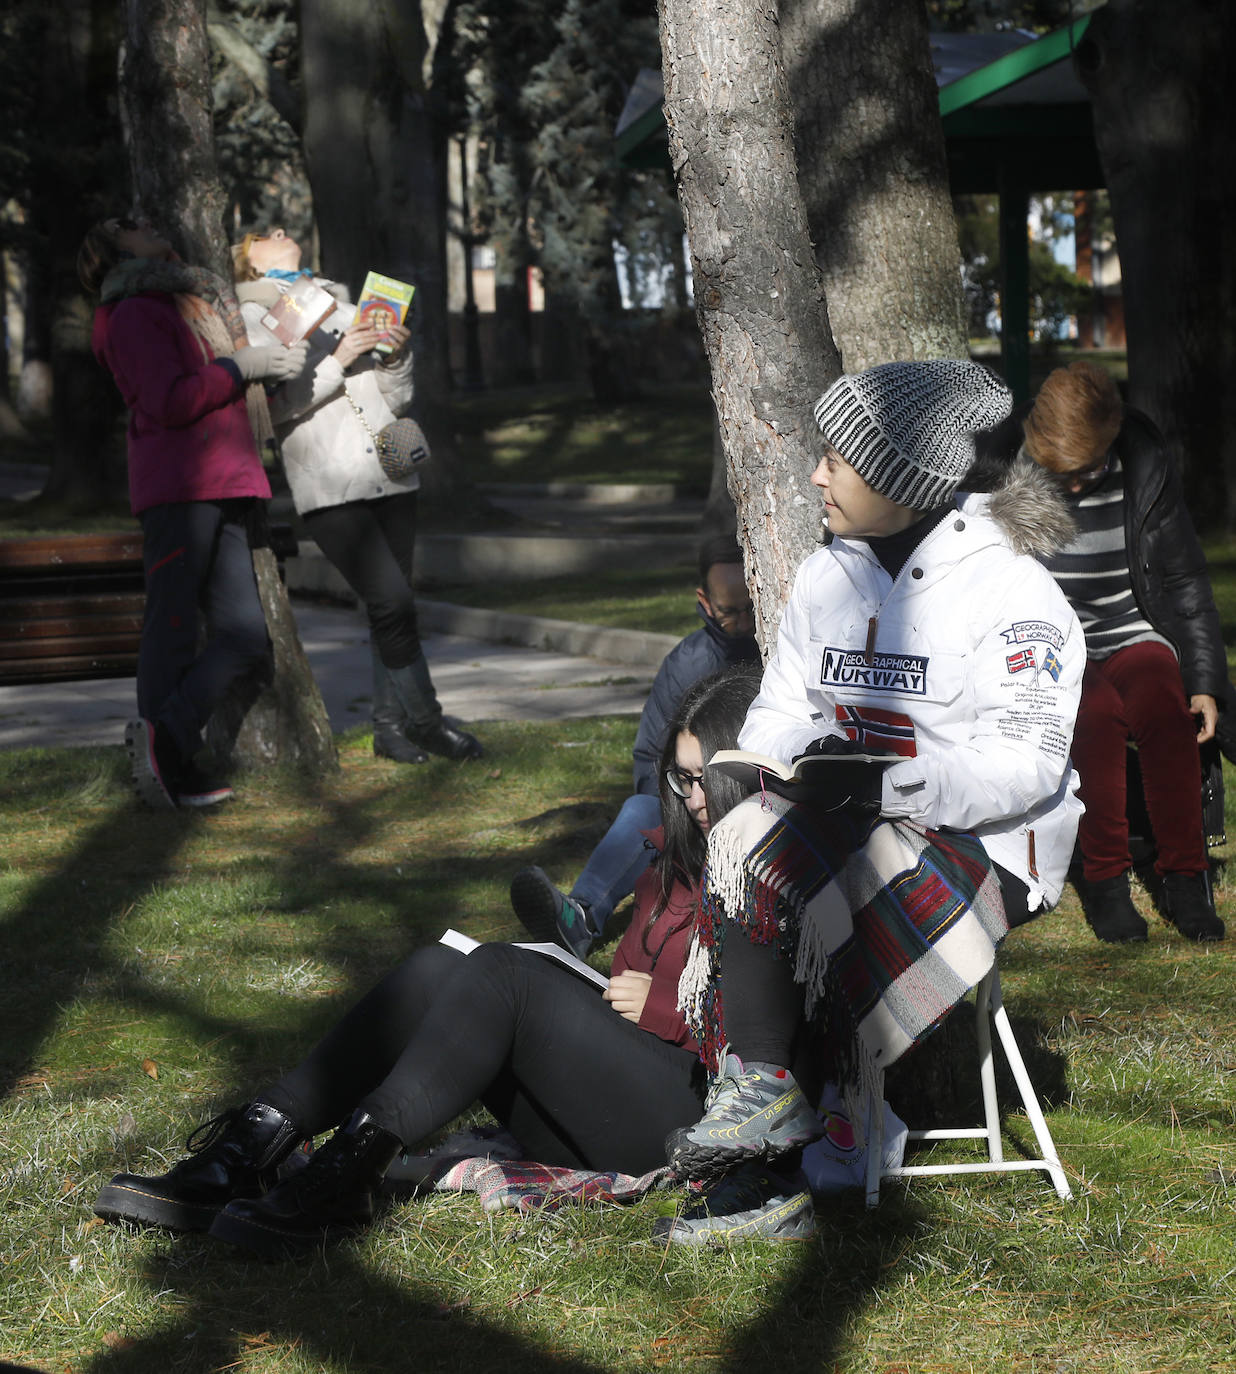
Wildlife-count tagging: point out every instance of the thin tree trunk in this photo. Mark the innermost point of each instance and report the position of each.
(874, 177)
(1162, 118)
(759, 296)
(165, 87)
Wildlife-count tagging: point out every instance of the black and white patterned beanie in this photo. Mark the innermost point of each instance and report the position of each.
(908, 428)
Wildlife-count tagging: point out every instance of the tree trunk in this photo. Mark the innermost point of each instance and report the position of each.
(874, 177)
(375, 150)
(165, 89)
(759, 296)
(1162, 118)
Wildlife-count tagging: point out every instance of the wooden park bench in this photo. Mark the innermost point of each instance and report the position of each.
(71, 605)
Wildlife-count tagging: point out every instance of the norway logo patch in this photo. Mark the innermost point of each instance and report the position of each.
(1022, 630)
(852, 668)
(877, 729)
(1020, 661)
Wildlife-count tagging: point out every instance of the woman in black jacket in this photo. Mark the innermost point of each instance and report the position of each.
(1136, 576)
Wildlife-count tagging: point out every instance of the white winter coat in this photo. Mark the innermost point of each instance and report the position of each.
(328, 455)
(977, 657)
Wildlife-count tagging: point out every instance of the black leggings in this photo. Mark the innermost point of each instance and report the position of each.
(574, 1082)
(371, 543)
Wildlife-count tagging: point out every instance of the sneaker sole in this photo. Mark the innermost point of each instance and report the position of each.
(536, 904)
(144, 767)
(794, 1219)
(707, 1160)
(119, 1202)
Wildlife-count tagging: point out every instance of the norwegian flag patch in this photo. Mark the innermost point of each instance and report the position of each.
(870, 726)
(1020, 661)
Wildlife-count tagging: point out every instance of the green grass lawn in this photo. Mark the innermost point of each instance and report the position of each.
(156, 967)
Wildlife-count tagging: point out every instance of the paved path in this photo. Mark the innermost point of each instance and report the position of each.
(476, 681)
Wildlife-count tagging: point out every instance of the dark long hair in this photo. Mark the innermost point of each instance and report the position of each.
(712, 710)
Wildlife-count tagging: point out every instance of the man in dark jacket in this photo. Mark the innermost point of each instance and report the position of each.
(1156, 670)
(577, 920)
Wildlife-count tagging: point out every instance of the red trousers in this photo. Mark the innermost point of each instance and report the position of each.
(1138, 694)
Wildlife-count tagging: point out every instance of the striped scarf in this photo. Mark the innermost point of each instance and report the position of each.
(889, 926)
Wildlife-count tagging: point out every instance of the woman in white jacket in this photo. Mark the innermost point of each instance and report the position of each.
(363, 520)
(925, 629)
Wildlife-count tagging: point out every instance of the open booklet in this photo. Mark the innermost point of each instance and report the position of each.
(813, 776)
(465, 944)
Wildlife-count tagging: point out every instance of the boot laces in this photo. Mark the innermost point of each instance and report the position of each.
(209, 1132)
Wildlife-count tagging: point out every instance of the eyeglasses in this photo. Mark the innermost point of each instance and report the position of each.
(1081, 480)
(726, 615)
(682, 782)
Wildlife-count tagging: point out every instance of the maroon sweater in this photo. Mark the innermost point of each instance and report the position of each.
(189, 433)
(663, 954)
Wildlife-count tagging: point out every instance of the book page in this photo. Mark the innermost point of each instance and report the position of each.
(465, 944)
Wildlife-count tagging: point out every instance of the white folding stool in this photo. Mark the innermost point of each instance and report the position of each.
(988, 1007)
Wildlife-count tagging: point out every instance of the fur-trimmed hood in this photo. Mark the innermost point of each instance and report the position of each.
(1024, 501)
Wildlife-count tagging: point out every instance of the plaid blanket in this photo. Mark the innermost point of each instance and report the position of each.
(487, 1161)
(889, 925)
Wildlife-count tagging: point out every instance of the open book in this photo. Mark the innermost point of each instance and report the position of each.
(466, 944)
(299, 311)
(824, 776)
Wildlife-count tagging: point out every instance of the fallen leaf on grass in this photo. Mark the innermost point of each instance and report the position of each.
(150, 1068)
(115, 1341)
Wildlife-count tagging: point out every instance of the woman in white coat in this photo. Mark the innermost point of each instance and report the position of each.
(926, 630)
(363, 520)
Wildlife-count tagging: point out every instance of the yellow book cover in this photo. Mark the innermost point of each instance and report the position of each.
(383, 302)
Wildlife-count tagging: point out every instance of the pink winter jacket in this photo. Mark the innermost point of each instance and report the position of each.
(189, 433)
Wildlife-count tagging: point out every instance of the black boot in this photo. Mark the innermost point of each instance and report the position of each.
(426, 725)
(235, 1155)
(1187, 904)
(334, 1192)
(390, 720)
(1110, 911)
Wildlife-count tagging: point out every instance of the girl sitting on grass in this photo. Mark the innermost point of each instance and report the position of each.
(580, 1080)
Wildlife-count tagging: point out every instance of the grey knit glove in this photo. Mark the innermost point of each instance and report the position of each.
(271, 362)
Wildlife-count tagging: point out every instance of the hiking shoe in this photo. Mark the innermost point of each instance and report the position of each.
(195, 788)
(550, 916)
(1187, 904)
(333, 1193)
(753, 1112)
(237, 1154)
(751, 1203)
(154, 762)
(1110, 912)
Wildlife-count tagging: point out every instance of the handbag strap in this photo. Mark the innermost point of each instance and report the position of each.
(360, 415)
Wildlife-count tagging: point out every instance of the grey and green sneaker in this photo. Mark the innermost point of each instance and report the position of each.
(549, 915)
(752, 1203)
(752, 1112)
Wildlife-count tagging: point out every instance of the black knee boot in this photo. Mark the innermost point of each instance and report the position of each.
(333, 1193)
(234, 1156)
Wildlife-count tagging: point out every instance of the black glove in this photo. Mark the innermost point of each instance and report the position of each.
(858, 784)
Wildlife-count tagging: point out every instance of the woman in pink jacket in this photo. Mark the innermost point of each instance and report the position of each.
(172, 337)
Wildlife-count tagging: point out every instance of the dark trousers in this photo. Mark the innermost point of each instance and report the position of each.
(371, 543)
(574, 1082)
(197, 565)
(1138, 694)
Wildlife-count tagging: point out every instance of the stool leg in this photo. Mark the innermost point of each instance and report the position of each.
(987, 1068)
(875, 1142)
(1047, 1146)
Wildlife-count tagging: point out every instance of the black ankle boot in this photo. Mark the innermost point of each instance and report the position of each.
(390, 720)
(1187, 904)
(235, 1155)
(334, 1192)
(1110, 911)
(446, 740)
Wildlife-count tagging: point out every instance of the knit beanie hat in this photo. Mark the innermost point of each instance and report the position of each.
(908, 428)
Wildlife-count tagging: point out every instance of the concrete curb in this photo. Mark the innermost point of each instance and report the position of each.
(636, 648)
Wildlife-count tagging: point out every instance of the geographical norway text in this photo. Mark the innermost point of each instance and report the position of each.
(905, 673)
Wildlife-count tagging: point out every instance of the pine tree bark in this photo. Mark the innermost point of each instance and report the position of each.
(759, 294)
(1163, 122)
(874, 177)
(166, 99)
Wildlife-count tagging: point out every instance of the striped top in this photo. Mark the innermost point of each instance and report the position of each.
(1093, 571)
